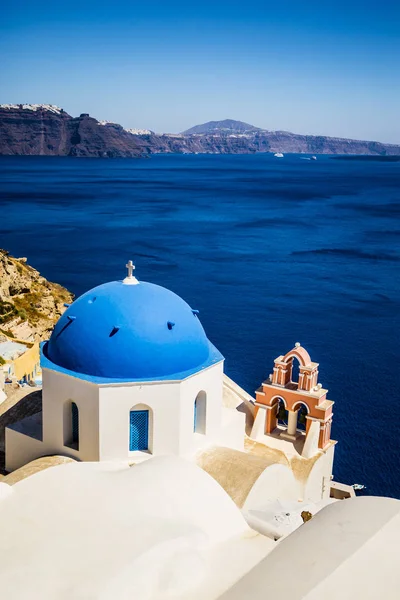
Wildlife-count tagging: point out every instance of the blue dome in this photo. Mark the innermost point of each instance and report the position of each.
(129, 332)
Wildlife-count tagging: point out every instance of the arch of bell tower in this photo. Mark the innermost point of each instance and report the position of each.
(305, 392)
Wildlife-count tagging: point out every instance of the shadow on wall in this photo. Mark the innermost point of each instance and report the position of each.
(14, 409)
(244, 408)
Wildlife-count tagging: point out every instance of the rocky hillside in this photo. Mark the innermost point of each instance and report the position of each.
(29, 304)
(49, 130)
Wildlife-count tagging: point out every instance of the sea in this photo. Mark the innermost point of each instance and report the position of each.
(271, 251)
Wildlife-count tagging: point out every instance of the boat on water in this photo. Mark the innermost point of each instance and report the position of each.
(358, 486)
(313, 158)
(278, 155)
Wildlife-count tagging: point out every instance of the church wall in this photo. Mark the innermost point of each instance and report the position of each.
(233, 427)
(115, 405)
(21, 449)
(209, 381)
(318, 484)
(59, 391)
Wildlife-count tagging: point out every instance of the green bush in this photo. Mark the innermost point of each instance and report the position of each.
(7, 311)
(26, 306)
(9, 333)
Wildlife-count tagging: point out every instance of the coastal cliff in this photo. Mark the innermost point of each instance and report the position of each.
(29, 304)
(235, 137)
(48, 130)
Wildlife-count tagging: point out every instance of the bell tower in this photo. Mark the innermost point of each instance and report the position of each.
(281, 402)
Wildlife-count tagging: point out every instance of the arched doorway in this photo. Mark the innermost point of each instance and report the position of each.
(140, 428)
(200, 413)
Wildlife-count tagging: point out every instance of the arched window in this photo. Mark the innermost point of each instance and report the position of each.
(302, 412)
(295, 370)
(71, 425)
(301, 418)
(282, 413)
(200, 413)
(75, 423)
(139, 428)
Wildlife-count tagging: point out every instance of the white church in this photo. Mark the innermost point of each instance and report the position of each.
(128, 374)
(150, 472)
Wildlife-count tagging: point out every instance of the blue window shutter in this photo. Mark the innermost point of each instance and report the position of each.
(139, 430)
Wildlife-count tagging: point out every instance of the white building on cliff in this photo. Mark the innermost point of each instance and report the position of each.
(136, 401)
(129, 374)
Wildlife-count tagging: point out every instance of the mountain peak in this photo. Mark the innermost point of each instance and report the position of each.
(227, 126)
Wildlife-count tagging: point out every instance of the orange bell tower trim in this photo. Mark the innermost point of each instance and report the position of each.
(288, 406)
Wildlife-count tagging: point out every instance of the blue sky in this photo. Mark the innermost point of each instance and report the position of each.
(327, 67)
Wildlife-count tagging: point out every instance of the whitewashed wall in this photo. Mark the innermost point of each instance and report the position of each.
(104, 418)
(116, 402)
(171, 407)
(318, 484)
(21, 449)
(209, 381)
(59, 391)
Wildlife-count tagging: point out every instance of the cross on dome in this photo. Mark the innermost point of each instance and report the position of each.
(131, 267)
(130, 279)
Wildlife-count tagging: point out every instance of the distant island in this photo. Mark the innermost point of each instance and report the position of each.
(47, 130)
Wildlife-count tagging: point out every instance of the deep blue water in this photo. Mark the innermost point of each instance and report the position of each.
(270, 251)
